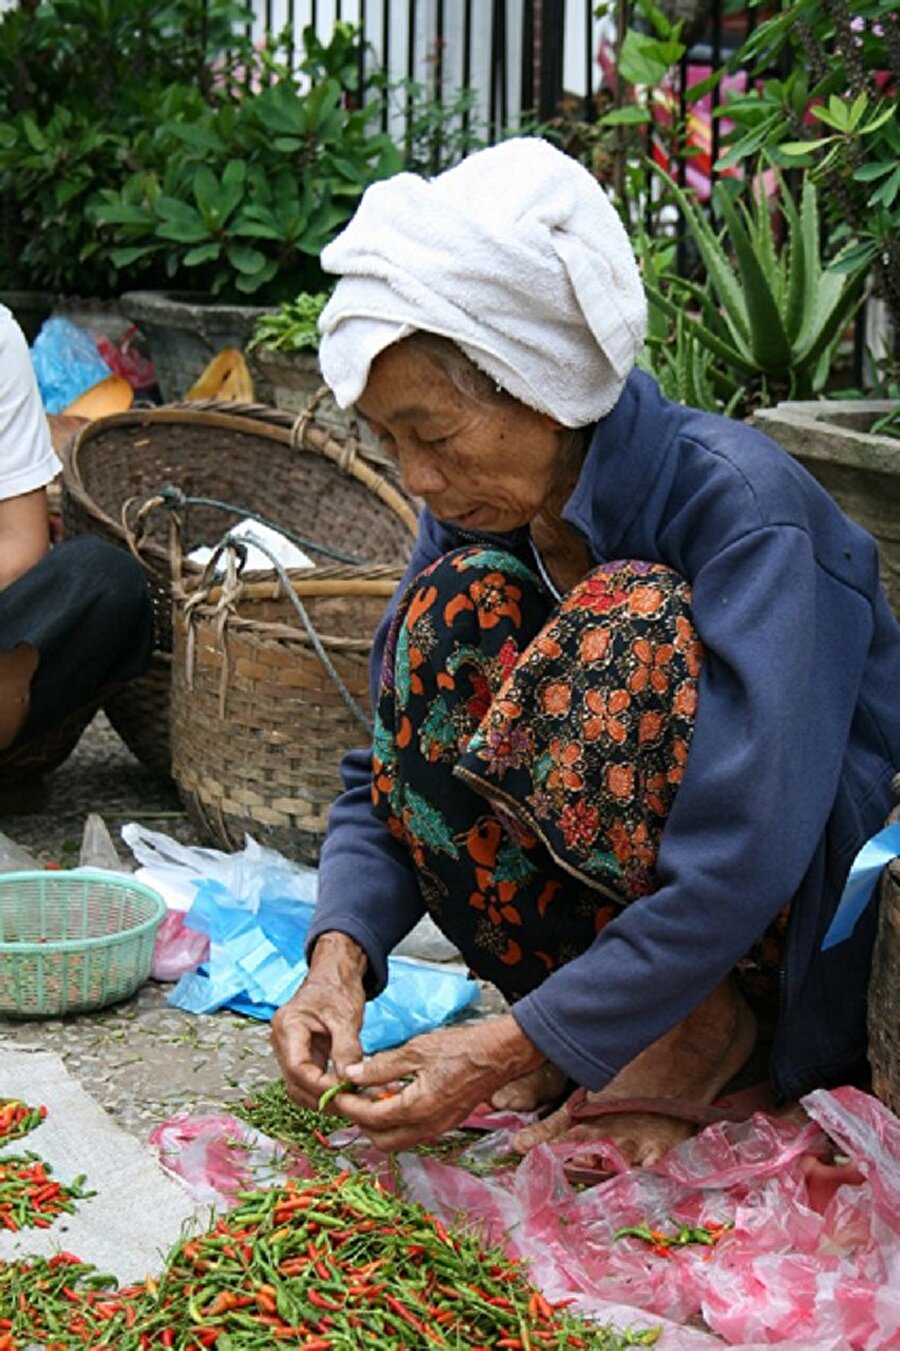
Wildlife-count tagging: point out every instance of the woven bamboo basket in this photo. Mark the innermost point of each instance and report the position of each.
(884, 985)
(291, 471)
(267, 696)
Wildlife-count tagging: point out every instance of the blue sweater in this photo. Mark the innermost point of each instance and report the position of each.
(796, 740)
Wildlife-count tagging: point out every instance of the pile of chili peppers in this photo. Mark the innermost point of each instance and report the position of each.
(278, 1116)
(29, 1196)
(17, 1119)
(333, 1264)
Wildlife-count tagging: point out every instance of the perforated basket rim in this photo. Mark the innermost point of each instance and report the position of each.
(58, 945)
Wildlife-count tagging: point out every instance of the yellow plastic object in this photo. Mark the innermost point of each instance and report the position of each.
(226, 377)
(110, 395)
(73, 941)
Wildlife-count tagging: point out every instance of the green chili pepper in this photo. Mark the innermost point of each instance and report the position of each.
(343, 1087)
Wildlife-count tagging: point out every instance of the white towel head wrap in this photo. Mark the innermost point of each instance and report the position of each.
(517, 255)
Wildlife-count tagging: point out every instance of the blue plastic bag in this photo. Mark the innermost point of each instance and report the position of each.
(66, 363)
(255, 964)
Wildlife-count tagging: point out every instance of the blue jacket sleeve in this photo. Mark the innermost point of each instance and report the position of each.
(776, 700)
(367, 888)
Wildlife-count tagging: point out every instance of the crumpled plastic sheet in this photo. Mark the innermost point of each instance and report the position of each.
(178, 948)
(236, 929)
(218, 1156)
(253, 968)
(823, 1276)
(66, 363)
(812, 1262)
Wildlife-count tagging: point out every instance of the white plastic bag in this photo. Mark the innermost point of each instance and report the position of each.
(426, 942)
(176, 870)
(15, 859)
(97, 848)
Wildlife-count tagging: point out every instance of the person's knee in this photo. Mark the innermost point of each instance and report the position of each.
(469, 591)
(114, 574)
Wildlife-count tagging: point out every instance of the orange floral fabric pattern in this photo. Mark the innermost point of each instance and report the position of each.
(527, 751)
(605, 697)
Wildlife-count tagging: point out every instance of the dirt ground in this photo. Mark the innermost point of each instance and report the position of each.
(142, 1060)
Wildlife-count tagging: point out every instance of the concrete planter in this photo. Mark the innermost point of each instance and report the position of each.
(184, 331)
(288, 380)
(860, 469)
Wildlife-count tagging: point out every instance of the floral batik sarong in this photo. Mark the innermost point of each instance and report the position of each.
(527, 750)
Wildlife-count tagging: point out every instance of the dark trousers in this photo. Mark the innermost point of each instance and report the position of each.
(85, 607)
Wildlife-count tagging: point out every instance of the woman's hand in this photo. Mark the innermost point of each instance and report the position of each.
(321, 1021)
(452, 1071)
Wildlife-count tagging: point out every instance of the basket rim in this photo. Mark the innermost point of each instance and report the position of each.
(251, 420)
(58, 945)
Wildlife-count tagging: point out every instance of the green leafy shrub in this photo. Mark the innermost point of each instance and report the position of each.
(834, 113)
(80, 81)
(240, 200)
(293, 326)
(146, 145)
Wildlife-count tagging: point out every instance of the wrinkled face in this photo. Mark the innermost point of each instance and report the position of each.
(480, 466)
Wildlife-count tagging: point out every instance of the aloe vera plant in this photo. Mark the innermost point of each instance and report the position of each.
(772, 312)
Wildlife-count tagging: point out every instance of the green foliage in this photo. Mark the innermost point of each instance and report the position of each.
(768, 321)
(240, 200)
(293, 326)
(111, 57)
(213, 180)
(686, 369)
(48, 173)
(834, 113)
(80, 82)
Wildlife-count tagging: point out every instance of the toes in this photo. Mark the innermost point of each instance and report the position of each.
(542, 1131)
(508, 1099)
(530, 1091)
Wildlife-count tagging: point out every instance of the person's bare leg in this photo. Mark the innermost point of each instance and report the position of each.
(694, 1061)
(16, 670)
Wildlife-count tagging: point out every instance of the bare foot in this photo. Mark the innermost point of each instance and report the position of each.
(530, 1091)
(692, 1062)
(16, 670)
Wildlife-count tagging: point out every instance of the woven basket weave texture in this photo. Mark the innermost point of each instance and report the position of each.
(884, 994)
(246, 455)
(73, 941)
(259, 724)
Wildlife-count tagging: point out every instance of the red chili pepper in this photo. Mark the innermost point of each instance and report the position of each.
(319, 1301)
(402, 1312)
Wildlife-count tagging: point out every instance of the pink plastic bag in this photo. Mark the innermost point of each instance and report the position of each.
(178, 948)
(811, 1260)
(124, 359)
(822, 1276)
(218, 1156)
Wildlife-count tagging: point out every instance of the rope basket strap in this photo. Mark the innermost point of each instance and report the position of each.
(221, 598)
(125, 476)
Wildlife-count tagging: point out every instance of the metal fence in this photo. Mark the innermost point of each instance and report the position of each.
(486, 67)
(515, 59)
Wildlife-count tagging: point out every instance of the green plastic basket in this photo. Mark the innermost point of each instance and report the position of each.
(73, 941)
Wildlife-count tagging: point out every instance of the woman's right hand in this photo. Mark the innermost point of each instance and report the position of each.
(321, 1022)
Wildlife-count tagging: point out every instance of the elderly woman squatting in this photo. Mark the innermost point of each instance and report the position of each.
(636, 697)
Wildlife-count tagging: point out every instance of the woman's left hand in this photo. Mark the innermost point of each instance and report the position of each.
(452, 1071)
